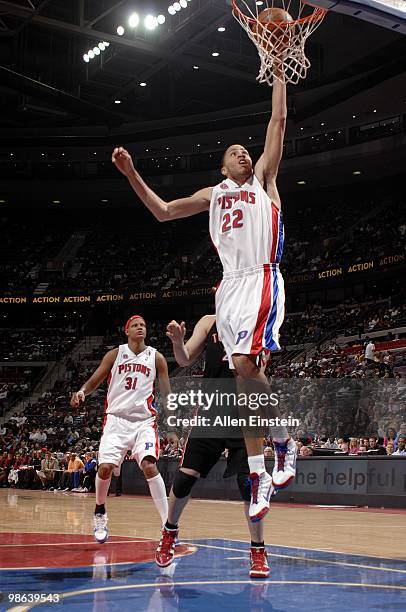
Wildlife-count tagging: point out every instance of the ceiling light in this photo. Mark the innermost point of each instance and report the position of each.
(2, 201)
(177, 6)
(11, 154)
(196, 67)
(134, 20)
(101, 46)
(56, 201)
(259, 3)
(374, 111)
(104, 201)
(322, 124)
(120, 30)
(106, 44)
(215, 54)
(301, 182)
(86, 58)
(161, 19)
(221, 29)
(171, 10)
(183, 3)
(353, 116)
(150, 22)
(142, 84)
(357, 172)
(117, 101)
(90, 54)
(198, 145)
(218, 142)
(96, 50)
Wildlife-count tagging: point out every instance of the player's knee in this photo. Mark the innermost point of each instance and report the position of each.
(245, 366)
(244, 486)
(183, 484)
(105, 470)
(149, 468)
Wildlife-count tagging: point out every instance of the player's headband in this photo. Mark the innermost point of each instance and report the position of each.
(130, 320)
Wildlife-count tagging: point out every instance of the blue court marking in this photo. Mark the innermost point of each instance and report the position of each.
(216, 579)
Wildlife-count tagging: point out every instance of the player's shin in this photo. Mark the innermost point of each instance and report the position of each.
(158, 494)
(102, 489)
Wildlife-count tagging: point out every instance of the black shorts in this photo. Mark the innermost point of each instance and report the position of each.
(202, 454)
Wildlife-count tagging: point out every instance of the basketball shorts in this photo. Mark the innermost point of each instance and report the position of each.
(250, 308)
(121, 435)
(202, 454)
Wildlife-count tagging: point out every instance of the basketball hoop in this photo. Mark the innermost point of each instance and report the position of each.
(279, 36)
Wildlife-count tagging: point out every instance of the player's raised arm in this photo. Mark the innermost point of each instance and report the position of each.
(163, 211)
(186, 354)
(267, 166)
(96, 379)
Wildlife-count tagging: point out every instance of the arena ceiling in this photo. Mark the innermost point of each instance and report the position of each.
(46, 85)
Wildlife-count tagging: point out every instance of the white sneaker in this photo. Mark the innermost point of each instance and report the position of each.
(100, 530)
(261, 491)
(284, 469)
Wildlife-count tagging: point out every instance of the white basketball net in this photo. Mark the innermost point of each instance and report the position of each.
(280, 44)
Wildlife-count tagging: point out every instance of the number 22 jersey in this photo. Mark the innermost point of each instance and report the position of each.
(246, 227)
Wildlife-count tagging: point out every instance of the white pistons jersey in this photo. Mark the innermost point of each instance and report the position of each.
(131, 384)
(246, 227)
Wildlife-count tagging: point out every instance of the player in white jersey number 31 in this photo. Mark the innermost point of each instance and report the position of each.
(130, 420)
(246, 228)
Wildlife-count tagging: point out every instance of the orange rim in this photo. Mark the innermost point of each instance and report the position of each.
(317, 15)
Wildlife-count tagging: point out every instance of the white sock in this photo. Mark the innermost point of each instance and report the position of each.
(257, 464)
(102, 488)
(158, 494)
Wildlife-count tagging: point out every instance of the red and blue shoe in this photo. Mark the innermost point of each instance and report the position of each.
(284, 470)
(261, 492)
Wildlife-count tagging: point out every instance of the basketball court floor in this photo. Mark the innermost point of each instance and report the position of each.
(321, 558)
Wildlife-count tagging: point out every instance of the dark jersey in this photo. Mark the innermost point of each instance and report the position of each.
(218, 379)
(216, 365)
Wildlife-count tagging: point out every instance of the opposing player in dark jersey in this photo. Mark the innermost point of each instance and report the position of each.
(201, 454)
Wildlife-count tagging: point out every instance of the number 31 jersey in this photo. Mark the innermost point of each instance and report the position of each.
(131, 384)
(246, 227)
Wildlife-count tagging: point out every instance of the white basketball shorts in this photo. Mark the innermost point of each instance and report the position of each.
(121, 435)
(250, 308)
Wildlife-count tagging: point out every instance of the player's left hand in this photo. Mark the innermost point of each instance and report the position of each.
(176, 332)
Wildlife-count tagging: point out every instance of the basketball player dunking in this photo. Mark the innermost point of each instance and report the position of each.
(130, 416)
(246, 228)
(202, 453)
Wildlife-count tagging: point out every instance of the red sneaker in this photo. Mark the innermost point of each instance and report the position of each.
(166, 548)
(259, 563)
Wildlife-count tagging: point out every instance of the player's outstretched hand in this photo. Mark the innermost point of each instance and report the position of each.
(176, 332)
(77, 397)
(122, 160)
(172, 437)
